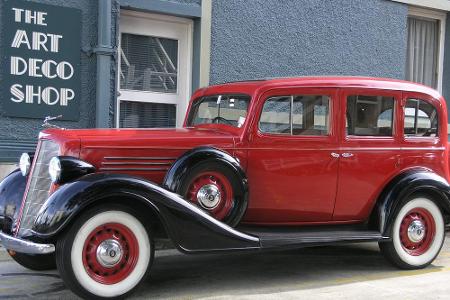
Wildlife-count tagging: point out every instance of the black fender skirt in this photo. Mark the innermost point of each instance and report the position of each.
(403, 186)
(190, 228)
(12, 189)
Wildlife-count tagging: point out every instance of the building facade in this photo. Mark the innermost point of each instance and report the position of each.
(135, 63)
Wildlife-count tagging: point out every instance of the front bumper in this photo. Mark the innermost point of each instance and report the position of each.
(24, 246)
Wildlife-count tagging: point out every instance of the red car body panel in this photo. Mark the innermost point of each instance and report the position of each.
(292, 179)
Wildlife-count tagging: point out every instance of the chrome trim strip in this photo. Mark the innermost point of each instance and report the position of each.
(140, 158)
(391, 148)
(349, 149)
(134, 169)
(137, 163)
(23, 246)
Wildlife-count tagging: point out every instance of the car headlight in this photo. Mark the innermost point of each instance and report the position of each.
(25, 164)
(54, 169)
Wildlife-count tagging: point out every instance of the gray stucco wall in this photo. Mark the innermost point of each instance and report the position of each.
(269, 38)
(19, 134)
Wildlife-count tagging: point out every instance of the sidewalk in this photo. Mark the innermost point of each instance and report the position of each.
(4, 256)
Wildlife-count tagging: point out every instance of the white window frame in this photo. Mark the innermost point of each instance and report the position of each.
(136, 23)
(434, 4)
(441, 18)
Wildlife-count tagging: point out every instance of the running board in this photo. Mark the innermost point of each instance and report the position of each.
(306, 237)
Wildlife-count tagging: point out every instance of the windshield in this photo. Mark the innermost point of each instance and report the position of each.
(219, 109)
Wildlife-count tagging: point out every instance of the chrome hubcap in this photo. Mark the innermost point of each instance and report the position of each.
(416, 231)
(208, 196)
(109, 253)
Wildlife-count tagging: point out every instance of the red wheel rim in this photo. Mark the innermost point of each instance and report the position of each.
(223, 186)
(110, 234)
(417, 231)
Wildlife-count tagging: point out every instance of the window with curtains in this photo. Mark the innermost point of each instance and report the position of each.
(424, 46)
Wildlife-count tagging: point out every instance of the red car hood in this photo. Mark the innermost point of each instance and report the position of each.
(171, 138)
(146, 153)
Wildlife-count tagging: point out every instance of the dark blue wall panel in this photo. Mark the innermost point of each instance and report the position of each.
(17, 133)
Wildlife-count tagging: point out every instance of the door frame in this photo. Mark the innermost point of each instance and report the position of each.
(162, 26)
(334, 107)
(259, 141)
(366, 140)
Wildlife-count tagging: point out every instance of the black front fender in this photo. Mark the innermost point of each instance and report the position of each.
(180, 169)
(12, 189)
(188, 227)
(403, 186)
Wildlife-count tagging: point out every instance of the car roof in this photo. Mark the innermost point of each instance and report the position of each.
(251, 86)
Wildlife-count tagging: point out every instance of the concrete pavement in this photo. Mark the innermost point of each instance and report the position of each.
(338, 272)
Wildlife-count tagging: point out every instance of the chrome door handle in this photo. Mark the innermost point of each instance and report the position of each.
(334, 154)
(347, 154)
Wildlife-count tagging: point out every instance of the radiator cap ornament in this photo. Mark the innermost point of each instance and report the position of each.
(47, 123)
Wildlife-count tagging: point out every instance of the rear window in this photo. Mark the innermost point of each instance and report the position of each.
(421, 119)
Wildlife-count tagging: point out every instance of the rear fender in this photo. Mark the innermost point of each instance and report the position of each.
(404, 185)
(190, 229)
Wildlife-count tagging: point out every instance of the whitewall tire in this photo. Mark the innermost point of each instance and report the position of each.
(106, 253)
(418, 234)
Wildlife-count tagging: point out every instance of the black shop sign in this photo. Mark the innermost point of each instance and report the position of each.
(40, 51)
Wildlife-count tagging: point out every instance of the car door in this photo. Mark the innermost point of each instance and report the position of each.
(293, 157)
(424, 136)
(370, 149)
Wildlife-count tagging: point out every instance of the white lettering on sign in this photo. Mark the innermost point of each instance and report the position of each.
(30, 17)
(36, 67)
(39, 41)
(36, 94)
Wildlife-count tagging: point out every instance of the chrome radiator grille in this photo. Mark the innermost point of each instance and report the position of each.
(39, 184)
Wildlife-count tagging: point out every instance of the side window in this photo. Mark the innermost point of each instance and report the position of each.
(370, 115)
(310, 115)
(275, 116)
(296, 115)
(420, 118)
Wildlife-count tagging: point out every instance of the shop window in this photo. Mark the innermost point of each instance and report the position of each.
(147, 115)
(148, 63)
(154, 77)
(420, 118)
(369, 115)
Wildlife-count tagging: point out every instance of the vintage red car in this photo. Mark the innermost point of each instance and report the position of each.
(263, 164)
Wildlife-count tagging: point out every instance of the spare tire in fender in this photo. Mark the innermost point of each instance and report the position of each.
(217, 189)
